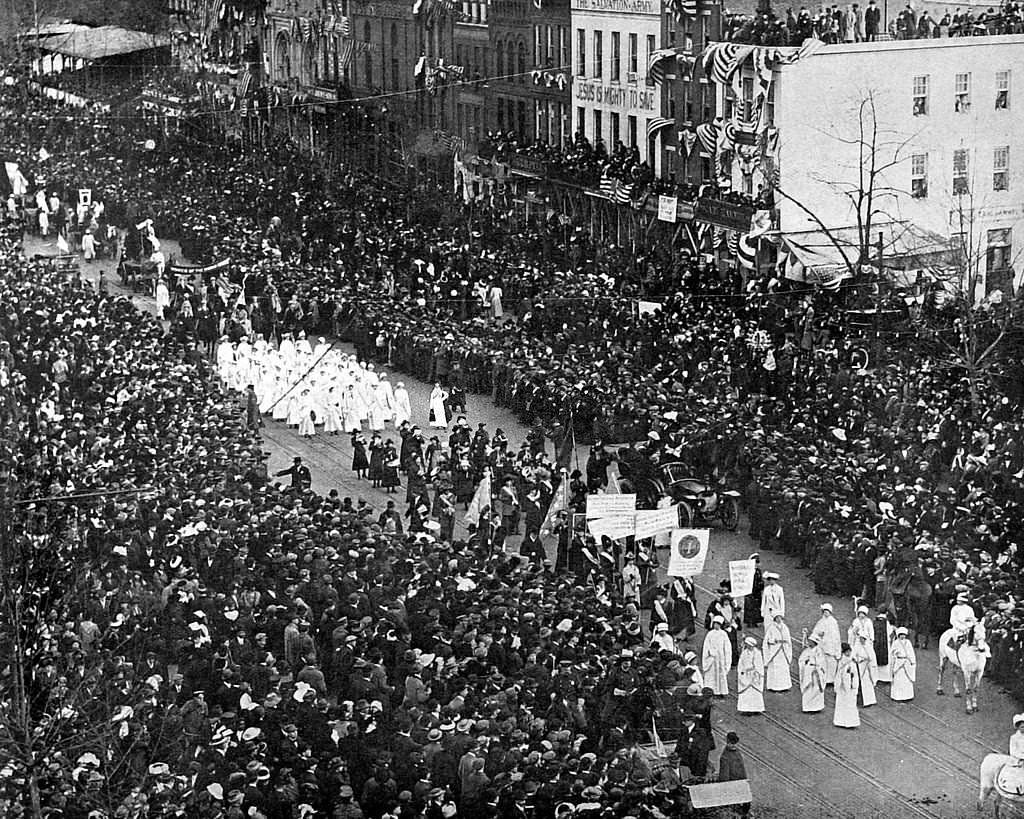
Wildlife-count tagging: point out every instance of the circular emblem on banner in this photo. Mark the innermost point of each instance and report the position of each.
(688, 546)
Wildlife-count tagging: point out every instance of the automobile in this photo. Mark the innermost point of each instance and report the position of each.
(700, 502)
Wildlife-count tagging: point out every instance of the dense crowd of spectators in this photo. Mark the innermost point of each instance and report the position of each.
(340, 664)
(856, 22)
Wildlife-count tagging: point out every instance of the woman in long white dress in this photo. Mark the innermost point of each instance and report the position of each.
(778, 654)
(377, 408)
(861, 637)
(351, 412)
(307, 415)
(903, 663)
(225, 359)
(163, 298)
(846, 714)
(332, 414)
(750, 679)
(438, 413)
(812, 676)
(402, 405)
(716, 658)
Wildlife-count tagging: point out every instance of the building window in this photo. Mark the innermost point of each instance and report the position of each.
(962, 102)
(769, 108)
(597, 127)
(1001, 168)
(633, 57)
(563, 48)
(1002, 90)
(651, 48)
(615, 136)
(581, 121)
(631, 126)
(536, 45)
(521, 68)
(615, 56)
(396, 67)
(521, 107)
(598, 53)
(284, 60)
(499, 57)
(919, 176)
(960, 171)
(748, 99)
(581, 53)
(501, 115)
(921, 96)
(998, 249)
(549, 52)
(368, 60)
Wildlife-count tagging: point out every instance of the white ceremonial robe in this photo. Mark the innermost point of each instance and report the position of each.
(438, 416)
(225, 360)
(377, 405)
(294, 409)
(403, 408)
(846, 714)
(716, 660)
(903, 662)
(826, 631)
(773, 601)
(351, 413)
(750, 682)
(812, 680)
(308, 416)
(389, 399)
(332, 415)
(866, 674)
(778, 655)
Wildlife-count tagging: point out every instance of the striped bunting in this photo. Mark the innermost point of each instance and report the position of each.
(721, 60)
(707, 133)
(683, 8)
(746, 251)
(656, 124)
(655, 63)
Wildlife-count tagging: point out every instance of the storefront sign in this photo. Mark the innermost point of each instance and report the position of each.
(528, 164)
(724, 214)
(622, 6)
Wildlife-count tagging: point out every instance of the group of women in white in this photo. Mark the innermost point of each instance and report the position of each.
(307, 386)
(852, 667)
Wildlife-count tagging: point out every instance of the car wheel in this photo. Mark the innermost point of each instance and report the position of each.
(730, 514)
(685, 515)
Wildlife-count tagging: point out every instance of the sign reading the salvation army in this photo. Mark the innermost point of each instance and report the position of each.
(689, 551)
(741, 577)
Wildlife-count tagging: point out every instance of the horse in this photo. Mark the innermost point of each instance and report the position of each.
(970, 657)
(908, 600)
(1001, 781)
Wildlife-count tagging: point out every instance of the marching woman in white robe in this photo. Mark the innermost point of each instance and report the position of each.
(778, 655)
(163, 299)
(389, 397)
(284, 398)
(826, 632)
(861, 637)
(716, 658)
(308, 415)
(287, 349)
(351, 410)
(750, 679)
(812, 676)
(903, 663)
(295, 403)
(332, 414)
(403, 408)
(847, 679)
(377, 407)
(225, 359)
(438, 414)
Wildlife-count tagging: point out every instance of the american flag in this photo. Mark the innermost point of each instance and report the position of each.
(721, 60)
(623, 193)
(655, 63)
(683, 8)
(656, 124)
(608, 186)
(347, 50)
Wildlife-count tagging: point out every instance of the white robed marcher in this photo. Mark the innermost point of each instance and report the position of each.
(302, 345)
(438, 414)
(389, 397)
(861, 637)
(846, 714)
(284, 398)
(812, 677)
(778, 655)
(903, 663)
(716, 658)
(402, 405)
(225, 359)
(494, 295)
(88, 246)
(378, 409)
(295, 404)
(750, 679)
(321, 349)
(332, 412)
(773, 598)
(163, 298)
(351, 410)
(307, 415)
(286, 349)
(826, 632)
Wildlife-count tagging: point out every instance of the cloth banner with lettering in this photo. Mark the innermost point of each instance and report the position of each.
(205, 270)
(650, 522)
(667, 207)
(600, 505)
(741, 577)
(689, 551)
(647, 308)
(614, 528)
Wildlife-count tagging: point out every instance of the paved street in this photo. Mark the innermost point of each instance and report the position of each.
(916, 759)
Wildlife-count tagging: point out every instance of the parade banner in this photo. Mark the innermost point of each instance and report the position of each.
(650, 522)
(611, 506)
(741, 577)
(615, 528)
(205, 270)
(646, 308)
(667, 208)
(689, 552)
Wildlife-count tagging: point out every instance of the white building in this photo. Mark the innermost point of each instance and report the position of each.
(948, 148)
(612, 97)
